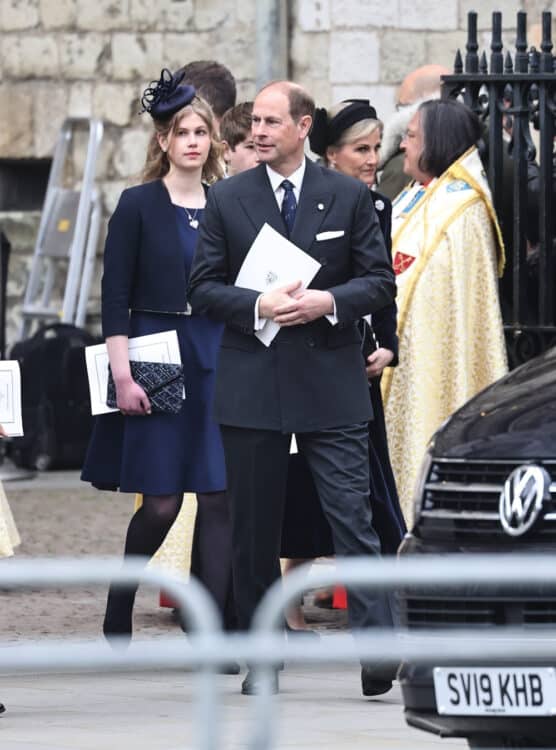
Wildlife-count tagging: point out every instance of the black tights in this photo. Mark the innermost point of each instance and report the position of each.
(146, 532)
(150, 524)
(211, 558)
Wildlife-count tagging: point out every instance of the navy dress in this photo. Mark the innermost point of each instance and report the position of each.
(164, 454)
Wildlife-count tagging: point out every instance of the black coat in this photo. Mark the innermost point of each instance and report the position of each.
(312, 376)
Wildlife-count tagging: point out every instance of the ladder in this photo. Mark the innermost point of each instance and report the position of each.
(68, 234)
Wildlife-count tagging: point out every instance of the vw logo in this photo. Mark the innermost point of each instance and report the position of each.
(522, 497)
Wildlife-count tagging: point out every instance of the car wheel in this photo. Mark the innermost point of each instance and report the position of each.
(476, 743)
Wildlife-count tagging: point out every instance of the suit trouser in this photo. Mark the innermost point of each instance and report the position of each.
(257, 465)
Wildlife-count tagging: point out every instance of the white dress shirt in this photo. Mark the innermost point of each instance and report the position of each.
(276, 180)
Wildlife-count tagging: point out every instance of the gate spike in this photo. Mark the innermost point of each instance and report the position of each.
(508, 64)
(521, 56)
(534, 60)
(483, 64)
(458, 64)
(471, 58)
(546, 44)
(496, 57)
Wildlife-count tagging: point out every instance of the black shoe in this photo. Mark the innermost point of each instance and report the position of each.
(374, 682)
(117, 626)
(231, 667)
(2, 708)
(252, 684)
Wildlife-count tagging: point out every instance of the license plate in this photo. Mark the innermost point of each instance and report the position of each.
(498, 691)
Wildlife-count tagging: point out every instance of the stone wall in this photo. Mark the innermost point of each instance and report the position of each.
(62, 58)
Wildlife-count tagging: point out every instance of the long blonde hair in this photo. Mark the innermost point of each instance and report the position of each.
(157, 164)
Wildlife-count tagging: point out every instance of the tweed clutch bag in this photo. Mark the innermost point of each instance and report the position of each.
(162, 382)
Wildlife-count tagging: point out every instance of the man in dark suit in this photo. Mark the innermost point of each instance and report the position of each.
(311, 380)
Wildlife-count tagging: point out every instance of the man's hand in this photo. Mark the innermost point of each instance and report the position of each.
(377, 361)
(271, 302)
(306, 305)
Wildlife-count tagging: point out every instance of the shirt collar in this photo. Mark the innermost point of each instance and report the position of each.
(296, 178)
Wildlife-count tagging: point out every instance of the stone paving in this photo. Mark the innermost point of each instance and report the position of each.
(317, 707)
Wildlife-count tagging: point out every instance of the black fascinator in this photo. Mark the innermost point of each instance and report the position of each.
(165, 97)
(318, 137)
(327, 132)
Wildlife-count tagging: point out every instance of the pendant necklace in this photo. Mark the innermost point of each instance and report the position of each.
(193, 221)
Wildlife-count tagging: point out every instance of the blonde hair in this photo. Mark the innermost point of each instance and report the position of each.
(360, 129)
(157, 164)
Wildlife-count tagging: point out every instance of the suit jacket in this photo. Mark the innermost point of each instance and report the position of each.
(312, 376)
(143, 268)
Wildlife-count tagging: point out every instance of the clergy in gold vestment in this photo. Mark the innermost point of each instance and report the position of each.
(447, 253)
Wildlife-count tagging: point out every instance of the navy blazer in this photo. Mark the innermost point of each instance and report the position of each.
(312, 376)
(143, 268)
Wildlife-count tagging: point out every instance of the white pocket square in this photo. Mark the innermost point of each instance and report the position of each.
(329, 235)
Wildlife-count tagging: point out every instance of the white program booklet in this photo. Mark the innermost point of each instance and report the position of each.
(155, 347)
(10, 398)
(273, 261)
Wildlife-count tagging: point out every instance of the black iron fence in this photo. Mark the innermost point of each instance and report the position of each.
(514, 94)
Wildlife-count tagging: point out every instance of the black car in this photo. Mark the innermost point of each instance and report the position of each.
(488, 485)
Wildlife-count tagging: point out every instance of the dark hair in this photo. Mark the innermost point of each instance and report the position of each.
(214, 82)
(235, 126)
(449, 130)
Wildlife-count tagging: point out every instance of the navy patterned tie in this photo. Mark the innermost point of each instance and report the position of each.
(289, 205)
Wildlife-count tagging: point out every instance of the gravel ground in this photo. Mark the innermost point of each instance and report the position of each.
(79, 521)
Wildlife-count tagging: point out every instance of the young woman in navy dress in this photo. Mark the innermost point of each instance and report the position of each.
(148, 253)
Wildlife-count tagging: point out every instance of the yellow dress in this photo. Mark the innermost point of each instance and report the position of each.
(9, 537)
(447, 249)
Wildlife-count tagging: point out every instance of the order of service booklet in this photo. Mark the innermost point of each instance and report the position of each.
(154, 347)
(10, 398)
(273, 261)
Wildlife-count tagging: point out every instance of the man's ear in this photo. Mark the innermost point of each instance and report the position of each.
(305, 123)
(226, 151)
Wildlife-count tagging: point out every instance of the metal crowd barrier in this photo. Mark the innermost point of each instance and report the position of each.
(207, 647)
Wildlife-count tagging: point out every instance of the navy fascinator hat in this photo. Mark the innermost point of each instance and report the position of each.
(327, 132)
(165, 97)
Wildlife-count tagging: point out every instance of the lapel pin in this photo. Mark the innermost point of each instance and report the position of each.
(320, 206)
(379, 205)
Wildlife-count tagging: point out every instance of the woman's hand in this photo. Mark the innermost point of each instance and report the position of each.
(377, 361)
(131, 399)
